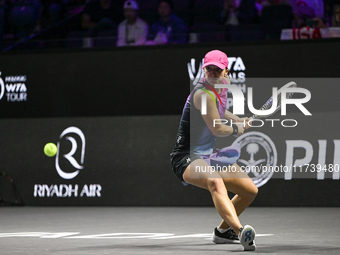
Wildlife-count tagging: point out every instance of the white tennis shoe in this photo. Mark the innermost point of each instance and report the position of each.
(246, 237)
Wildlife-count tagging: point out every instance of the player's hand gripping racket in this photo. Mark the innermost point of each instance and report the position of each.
(269, 102)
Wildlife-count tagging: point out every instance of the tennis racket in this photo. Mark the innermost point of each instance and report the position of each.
(269, 102)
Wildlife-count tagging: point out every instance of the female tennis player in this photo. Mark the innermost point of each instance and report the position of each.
(194, 159)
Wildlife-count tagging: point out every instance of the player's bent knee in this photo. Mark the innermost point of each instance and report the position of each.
(255, 191)
(252, 193)
(215, 185)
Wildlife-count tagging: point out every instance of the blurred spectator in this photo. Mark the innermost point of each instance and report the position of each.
(229, 14)
(306, 9)
(53, 11)
(335, 21)
(237, 12)
(248, 12)
(2, 18)
(262, 3)
(24, 17)
(100, 15)
(133, 30)
(170, 28)
(336, 17)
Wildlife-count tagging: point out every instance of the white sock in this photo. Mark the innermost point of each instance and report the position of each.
(222, 230)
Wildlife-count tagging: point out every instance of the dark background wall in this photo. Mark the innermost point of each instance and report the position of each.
(127, 103)
(143, 80)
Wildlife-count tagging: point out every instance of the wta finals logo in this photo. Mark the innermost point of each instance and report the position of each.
(258, 156)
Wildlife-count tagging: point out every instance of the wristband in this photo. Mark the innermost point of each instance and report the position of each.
(235, 129)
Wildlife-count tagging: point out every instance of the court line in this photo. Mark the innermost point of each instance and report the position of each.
(76, 235)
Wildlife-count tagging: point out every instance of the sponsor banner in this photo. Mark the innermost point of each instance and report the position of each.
(104, 161)
(68, 164)
(100, 161)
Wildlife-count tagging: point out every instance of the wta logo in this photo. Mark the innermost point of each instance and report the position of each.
(68, 160)
(15, 88)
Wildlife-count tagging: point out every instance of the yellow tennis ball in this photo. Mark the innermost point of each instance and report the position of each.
(50, 149)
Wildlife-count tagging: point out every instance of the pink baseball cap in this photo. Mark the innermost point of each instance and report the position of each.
(216, 58)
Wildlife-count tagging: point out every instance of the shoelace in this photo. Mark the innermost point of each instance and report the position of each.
(232, 233)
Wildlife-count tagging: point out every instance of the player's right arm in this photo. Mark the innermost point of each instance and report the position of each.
(216, 128)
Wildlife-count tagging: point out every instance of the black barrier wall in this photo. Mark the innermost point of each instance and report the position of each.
(114, 115)
(141, 80)
(122, 166)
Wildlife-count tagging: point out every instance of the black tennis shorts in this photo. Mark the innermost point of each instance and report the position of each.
(180, 161)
